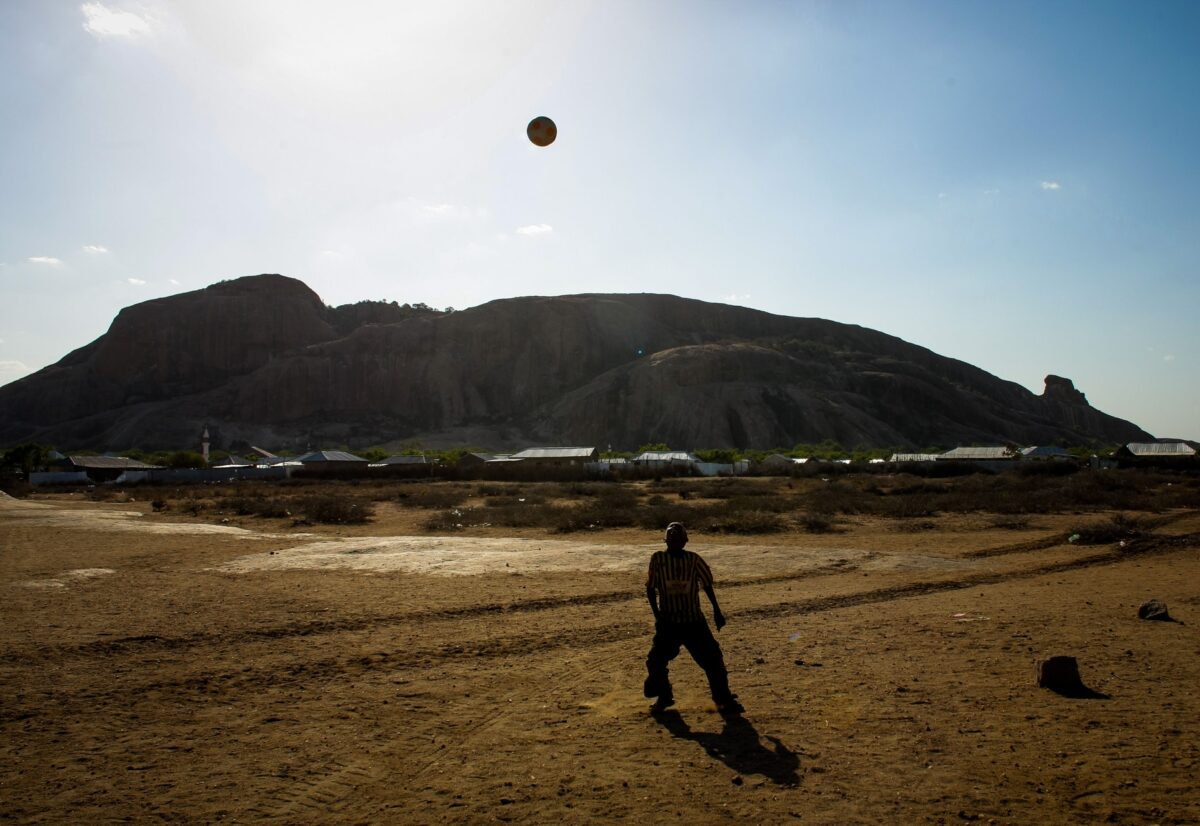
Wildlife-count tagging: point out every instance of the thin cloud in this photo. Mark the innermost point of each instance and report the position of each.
(991, 192)
(10, 370)
(174, 282)
(534, 229)
(101, 21)
(95, 249)
(1051, 185)
(137, 282)
(1169, 357)
(44, 259)
(735, 298)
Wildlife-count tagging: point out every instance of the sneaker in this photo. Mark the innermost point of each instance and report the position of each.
(731, 707)
(662, 704)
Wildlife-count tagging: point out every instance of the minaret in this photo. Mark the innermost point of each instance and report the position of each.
(204, 445)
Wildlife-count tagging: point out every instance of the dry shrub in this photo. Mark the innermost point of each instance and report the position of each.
(16, 488)
(432, 497)
(835, 497)
(741, 522)
(816, 523)
(514, 500)
(1118, 527)
(597, 515)
(728, 488)
(1010, 523)
(914, 525)
(335, 510)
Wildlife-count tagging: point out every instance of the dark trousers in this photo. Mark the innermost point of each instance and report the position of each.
(700, 643)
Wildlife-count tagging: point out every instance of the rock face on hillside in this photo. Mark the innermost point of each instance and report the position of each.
(263, 359)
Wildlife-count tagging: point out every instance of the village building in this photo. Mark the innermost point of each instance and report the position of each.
(776, 461)
(978, 454)
(913, 457)
(1045, 452)
(664, 458)
(88, 469)
(403, 460)
(1156, 450)
(1155, 454)
(473, 460)
(331, 460)
(556, 456)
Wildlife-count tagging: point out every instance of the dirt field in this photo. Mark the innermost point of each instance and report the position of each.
(189, 668)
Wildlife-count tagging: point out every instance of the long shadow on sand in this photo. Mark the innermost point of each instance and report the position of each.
(739, 746)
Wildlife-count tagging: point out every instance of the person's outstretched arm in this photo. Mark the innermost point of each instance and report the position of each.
(718, 617)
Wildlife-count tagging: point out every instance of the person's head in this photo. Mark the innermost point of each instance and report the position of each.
(676, 536)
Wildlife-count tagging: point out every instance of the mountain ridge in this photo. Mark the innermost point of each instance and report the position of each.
(262, 359)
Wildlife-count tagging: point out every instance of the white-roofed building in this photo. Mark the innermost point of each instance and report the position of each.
(1157, 450)
(664, 458)
(1045, 452)
(914, 457)
(556, 455)
(978, 454)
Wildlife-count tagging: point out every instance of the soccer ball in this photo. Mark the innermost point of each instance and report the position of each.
(542, 131)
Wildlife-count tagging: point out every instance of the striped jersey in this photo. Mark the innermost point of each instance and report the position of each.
(678, 579)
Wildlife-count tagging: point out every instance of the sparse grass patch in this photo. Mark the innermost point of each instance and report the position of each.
(742, 521)
(335, 510)
(914, 525)
(816, 523)
(432, 497)
(1118, 527)
(514, 500)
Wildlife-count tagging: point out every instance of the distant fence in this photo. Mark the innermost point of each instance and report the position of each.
(59, 477)
(164, 476)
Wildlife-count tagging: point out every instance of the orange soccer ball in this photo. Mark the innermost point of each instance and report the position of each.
(542, 131)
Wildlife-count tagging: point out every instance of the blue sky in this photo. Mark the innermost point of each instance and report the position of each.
(1010, 184)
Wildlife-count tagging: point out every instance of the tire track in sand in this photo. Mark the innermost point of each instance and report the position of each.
(254, 678)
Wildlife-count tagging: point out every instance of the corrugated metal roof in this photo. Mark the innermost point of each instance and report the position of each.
(555, 453)
(665, 456)
(330, 456)
(405, 460)
(232, 461)
(109, 463)
(986, 453)
(1045, 452)
(1160, 449)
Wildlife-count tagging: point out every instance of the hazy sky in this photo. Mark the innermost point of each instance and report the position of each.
(1011, 184)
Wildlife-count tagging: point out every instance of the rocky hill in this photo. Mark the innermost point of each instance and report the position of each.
(262, 359)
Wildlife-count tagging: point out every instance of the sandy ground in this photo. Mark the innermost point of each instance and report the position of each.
(158, 669)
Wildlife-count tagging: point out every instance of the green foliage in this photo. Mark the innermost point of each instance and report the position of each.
(657, 447)
(27, 456)
(827, 450)
(184, 459)
(723, 456)
(373, 454)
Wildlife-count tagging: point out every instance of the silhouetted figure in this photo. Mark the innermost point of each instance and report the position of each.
(673, 589)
